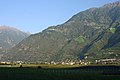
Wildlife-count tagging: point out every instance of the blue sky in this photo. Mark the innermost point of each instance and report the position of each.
(36, 15)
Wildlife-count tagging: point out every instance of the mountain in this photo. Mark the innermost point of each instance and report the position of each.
(9, 37)
(93, 33)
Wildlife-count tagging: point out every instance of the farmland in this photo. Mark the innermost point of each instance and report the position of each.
(62, 73)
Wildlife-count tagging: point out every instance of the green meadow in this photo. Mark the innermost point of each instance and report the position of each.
(71, 73)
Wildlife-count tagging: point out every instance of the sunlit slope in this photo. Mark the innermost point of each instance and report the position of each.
(92, 32)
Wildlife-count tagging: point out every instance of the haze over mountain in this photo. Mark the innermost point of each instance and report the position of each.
(94, 33)
(9, 37)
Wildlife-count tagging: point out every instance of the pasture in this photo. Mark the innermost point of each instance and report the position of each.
(76, 73)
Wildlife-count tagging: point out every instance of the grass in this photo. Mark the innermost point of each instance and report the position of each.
(77, 73)
(41, 65)
(80, 39)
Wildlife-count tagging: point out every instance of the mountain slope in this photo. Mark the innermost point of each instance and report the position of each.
(9, 37)
(90, 32)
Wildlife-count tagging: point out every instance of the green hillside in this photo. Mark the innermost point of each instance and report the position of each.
(94, 32)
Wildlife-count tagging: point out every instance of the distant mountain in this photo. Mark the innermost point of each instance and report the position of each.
(9, 37)
(94, 33)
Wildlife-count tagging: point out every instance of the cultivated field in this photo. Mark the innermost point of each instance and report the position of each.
(71, 73)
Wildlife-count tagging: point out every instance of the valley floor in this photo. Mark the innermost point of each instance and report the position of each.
(74, 73)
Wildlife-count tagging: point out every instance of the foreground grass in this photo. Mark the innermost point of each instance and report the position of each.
(31, 73)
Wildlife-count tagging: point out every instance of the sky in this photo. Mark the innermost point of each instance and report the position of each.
(36, 15)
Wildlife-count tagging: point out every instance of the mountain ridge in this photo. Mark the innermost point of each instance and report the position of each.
(87, 33)
(10, 37)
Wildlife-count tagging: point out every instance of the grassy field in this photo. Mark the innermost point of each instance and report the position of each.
(76, 73)
(41, 65)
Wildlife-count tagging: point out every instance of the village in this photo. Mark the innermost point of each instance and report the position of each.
(67, 62)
